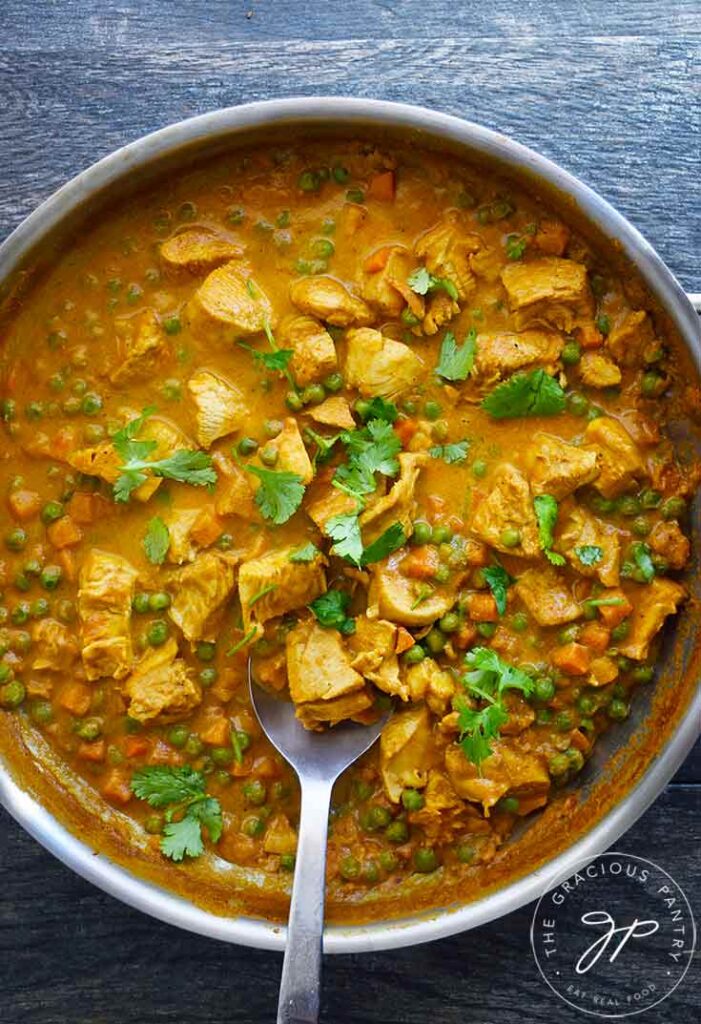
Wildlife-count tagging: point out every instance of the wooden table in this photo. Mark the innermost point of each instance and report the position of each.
(610, 91)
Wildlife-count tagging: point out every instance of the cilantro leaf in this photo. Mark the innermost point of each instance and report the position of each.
(162, 784)
(456, 363)
(515, 246)
(498, 580)
(330, 611)
(279, 495)
(307, 553)
(277, 360)
(589, 554)
(545, 507)
(123, 439)
(182, 838)
(525, 394)
(489, 679)
(496, 675)
(392, 538)
(324, 445)
(372, 449)
(642, 557)
(380, 409)
(156, 541)
(477, 728)
(344, 530)
(208, 811)
(421, 282)
(450, 453)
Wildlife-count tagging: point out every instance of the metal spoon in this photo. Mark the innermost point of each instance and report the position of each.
(318, 758)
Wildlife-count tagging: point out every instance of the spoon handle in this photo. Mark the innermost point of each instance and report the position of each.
(300, 984)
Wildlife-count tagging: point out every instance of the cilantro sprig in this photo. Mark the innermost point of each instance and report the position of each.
(330, 610)
(455, 361)
(181, 790)
(183, 465)
(422, 282)
(589, 554)
(546, 509)
(279, 495)
(487, 682)
(498, 581)
(450, 453)
(156, 541)
(535, 393)
(306, 553)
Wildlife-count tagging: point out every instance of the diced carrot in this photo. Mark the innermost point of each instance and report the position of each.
(589, 336)
(377, 260)
(63, 442)
(94, 751)
(243, 769)
(163, 754)
(579, 740)
(421, 563)
(207, 528)
(475, 553)
(404, 640)
(596, 635)
(64, 533)
(612, 614)
(24, 505)
(465, 637)
(552, 237)
(136, 746)
(75, 697)
(116, 788)
(81, 507)
(67, 562)
(482, 608)
(215, 729)
(574, 659)
(383, 187)
(603, 671)
(406, 430)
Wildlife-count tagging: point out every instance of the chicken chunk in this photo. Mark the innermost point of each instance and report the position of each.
(667, 539)
(198, 250)
(333, 412)
(508, 506)
(56, 646)
(314, 352)
(220, 406)
(440, 311)
(427, 681)
(446, 249)
(377, 365)
(180, 522)
(228, 305)
(548, 290)
(293, 585)
(199, 590)
(558, 468)
(382, 287)
(631, 338)
(330, 301)
(328, 503)
(599, 370)
(399, 504)
(508, 771)
(373, 651)
(316, 714)
(579, 530)
(280, 838)
(547, 597)
(142, 345)
(410, 602)
(105, 592)
(234, 494)
(407, 751)
(320, 675)
(653, 604)
(621, 463)
(162, 686)
(445, 815)
(503, 353)
(292, 455)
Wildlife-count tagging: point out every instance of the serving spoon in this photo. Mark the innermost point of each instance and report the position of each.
(318, 758)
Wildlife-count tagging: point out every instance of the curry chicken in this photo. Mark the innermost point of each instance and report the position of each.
(383, 424)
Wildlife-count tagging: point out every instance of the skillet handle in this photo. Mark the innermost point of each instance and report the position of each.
(300, 985)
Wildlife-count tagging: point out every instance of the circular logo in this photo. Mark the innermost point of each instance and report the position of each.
(614, 938)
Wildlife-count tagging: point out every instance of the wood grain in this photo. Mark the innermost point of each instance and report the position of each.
(610, 91)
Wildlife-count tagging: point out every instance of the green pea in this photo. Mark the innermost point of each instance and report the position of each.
(22, 582)
(92, 404)
(421, 532)
(362, 407)
(157, 633)
(509, 804)
(510, 537)
(564, 721)
(222, 756)
(287, 861)
(194, 745)
(652, 384)
(362, 789)
(568, 634)
(594, 412)
(340, 174)
(629, 505)
(309, 181)
(71, 406)
(40, 608)
(397, 831)
(88, 729)
(273, 427)
(16, 539)
(8, 410)
(323, 248)
(52, 511)
(465, 853)
(571, 353)
(543, 716)
(441, 534)
(618, 710)
(409, 318)
(12, 694)
(432, 410)
(255, 792)
(241, 740)
(253, 826)
(650, 498)
(435, 641)
(293, 401)
(247, 446)
(206, 650)
(673, 508)
(313, 394)
(414, 655)
(159, 601)
(349, 868)
(51, 577)
(425, 860)
(334, 382)
(558, 765)
(586, 704)
(225, 542)
(641, 526)
(178, 735)
(577, 404)
(20, 613)
(154, 824)
(519, 622)
(208, 676)
(375, 817)
(544, 689)
(412, 800)
(41, 711)
(236, 215)
(94, 433)
(34, 410)
(389, 861)
(449, 623)
(6, 672)
(643, 673)
(479, 468)
(140, 603)
(355, 195)
(442, 574)
(602, 505)
(576, 759)
(269, 456)
(371, 871)
(172, 389)
(486, 629)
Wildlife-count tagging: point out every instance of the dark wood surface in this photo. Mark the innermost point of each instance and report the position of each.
(610, 91)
